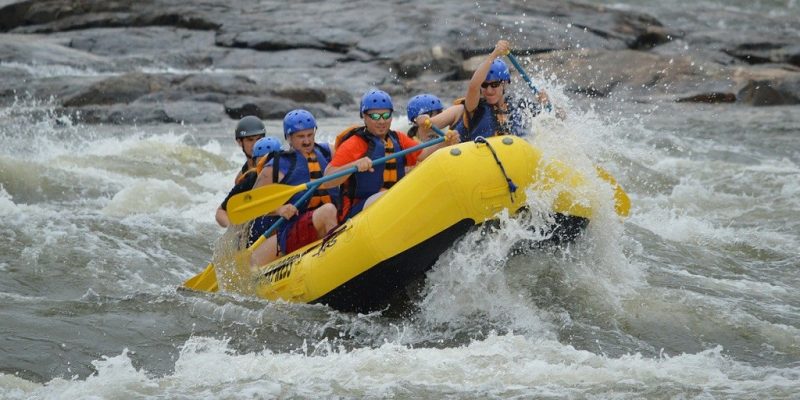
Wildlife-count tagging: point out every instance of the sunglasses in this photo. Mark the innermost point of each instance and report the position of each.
(494, 84)
(378, 116)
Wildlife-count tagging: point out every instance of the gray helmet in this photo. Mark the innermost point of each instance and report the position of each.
(249, 126)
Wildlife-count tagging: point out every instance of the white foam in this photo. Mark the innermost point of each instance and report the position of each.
(499, 366)
(150, 196)
(7, 205)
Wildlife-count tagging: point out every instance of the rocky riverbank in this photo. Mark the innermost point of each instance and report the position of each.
(158, 61)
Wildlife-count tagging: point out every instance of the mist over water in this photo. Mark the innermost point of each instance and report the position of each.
(694, 295)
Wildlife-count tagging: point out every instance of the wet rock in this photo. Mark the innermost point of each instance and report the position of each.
(119, 89)
(766, 52)
(44, 51)
(194, 112)
(224, 83)
(771, 92)
(269, 57)
(597, 73)
(48, 16)
(442, 63)
(289, 59)
(269, 107)
(712, 97)
(119, 114)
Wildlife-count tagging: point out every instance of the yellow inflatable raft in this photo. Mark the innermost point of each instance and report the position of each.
(364, 262)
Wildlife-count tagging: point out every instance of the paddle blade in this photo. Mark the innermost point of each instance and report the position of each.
(260, 201)
(205, 281)
(622, 203)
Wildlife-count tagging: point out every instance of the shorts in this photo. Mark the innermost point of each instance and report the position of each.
(300, 232)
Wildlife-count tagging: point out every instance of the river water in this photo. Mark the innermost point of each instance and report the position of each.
(693, 296)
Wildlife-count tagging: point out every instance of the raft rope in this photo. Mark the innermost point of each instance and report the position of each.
(511, 186)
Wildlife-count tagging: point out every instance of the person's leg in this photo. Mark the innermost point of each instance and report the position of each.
(324, 219)
(372, 198)
(266, 253)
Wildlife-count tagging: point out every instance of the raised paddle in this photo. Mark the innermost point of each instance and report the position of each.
(265, 199)
(527, 79)
(621, 199)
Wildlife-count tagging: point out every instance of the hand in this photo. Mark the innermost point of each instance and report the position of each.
(287, 211)
(542, 97)
(501, 48)
(424, 123)
(451, 137)
(363, 164)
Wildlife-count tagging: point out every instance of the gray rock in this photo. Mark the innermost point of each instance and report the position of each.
(119, 89)
(269, 107)
(194, 112)
(771, 92)
(45, 51)
(118, 114)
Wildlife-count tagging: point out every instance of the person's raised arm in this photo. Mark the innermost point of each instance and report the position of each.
(474, 87)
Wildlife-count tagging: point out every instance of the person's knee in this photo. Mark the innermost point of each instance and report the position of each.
(325, 218)
(325, 214)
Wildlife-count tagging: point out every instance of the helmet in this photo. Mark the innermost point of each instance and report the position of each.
(249, 126)
(498, 71)
(375, 99)
(265, 146)
(421, 104)
(298, 120)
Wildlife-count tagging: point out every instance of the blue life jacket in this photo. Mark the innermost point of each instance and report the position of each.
(295, 172)
(483, 120)
(361, 185)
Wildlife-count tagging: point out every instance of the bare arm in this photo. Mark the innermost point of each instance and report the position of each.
(450, 138)
(448, 117)
(362, 164)
(222, 218)
(474, 88)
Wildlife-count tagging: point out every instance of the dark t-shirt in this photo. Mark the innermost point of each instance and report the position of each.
(244, 185)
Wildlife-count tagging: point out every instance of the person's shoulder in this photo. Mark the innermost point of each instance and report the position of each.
(353, 141)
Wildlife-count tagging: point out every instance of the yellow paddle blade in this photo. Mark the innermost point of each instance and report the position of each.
(205, 281)
(622, 203)
(260, 201)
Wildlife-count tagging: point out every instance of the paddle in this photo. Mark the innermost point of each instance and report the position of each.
(527, 79)
(263, 200)
(206, 281)
(622, 201)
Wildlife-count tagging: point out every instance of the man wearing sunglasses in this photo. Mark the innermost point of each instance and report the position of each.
(359, 145)
(488, 111)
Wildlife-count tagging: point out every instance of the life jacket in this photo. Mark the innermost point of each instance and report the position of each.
(301, 170)
(360, 185)
(488, 120)
(262, 161)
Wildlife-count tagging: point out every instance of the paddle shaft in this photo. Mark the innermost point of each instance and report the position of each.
(527, 79)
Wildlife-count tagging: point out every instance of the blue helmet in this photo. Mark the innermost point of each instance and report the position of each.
(498, 71)
(265, 146)
(298, 120)
(421, 104)
(375, 99)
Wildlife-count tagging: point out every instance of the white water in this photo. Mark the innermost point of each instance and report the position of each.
(694, 295)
